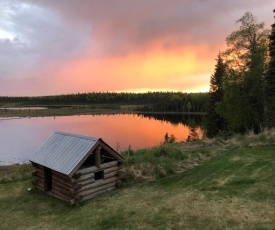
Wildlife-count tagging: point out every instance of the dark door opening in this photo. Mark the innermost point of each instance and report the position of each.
(48, 179)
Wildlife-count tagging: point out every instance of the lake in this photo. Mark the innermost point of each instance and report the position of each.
(21, 137)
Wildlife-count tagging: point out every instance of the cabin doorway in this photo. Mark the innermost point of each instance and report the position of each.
(48, 179)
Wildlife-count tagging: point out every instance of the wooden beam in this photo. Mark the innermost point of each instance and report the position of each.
(98, 157)
(60, 175)
(91, 169)
(84, 182)
(64, 186)
(65, 196)
(109, 164)
(112, 152)
(69, 182)
(111, 174)
(94, 190)
(97, 184)
(87, 170)
(84, 177)
(112, 169)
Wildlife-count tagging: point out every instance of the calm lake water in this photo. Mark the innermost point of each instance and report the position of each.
(20, 138)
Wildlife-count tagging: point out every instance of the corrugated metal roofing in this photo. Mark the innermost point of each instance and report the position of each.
(63, 151)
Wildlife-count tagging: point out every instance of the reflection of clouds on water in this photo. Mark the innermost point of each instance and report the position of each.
(20, 138)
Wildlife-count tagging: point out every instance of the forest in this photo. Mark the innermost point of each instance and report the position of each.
(242, 88)
(147, 102)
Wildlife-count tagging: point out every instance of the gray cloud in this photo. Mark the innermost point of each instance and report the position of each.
(49, 32)
(127, 25)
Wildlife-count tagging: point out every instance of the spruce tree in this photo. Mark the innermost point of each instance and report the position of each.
(270, 82)
(216, 123)
(247, 59)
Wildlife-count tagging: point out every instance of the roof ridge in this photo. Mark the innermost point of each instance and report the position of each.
(77, 135)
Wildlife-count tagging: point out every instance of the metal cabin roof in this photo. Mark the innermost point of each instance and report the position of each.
(63, 151)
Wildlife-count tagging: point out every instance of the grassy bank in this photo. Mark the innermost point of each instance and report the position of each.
(63, 110)
(206, 184)
(15, 110)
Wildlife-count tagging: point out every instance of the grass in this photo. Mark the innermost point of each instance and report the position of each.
(231, 186)
(63, 111)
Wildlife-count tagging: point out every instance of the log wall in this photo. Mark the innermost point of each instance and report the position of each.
(82, 185)
(38, 177)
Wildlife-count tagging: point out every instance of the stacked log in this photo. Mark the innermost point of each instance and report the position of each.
(62, 186)
(38, 177)
(82, 185)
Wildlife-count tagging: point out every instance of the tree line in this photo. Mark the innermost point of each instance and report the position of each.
(242, 88)
(149, 102)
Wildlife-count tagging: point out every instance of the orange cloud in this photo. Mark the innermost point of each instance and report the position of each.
(155, 69)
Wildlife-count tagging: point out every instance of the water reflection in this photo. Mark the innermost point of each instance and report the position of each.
(19, 138)
(188, 120)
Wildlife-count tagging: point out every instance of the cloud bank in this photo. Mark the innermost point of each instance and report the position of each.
(56, 46)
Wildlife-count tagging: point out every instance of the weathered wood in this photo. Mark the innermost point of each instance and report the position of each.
(109, 164)
(38, 183)
(61, 176)
(97, 157)
(41, 175)
(38, 177)
(111, 151)
(84, 177)
(111, 174)
(64, 186)
(94, 190)
(62, 191)
(39, 167)
(65, 196)
(112, 169)
(97, 184)
(87, 170)
(84, 182)
(97, 193)
(38, 172)
(94, 168)
(61, 179)
(68, 183)
(77, 175)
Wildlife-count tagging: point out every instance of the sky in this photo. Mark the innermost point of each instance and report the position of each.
(50, 47)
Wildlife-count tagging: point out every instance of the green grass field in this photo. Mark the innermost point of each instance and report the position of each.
(231, 186)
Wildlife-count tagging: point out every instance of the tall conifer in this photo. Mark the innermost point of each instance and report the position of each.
(270, 82)
(215, 122)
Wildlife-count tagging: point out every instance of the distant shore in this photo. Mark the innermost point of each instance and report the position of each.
(60, 110)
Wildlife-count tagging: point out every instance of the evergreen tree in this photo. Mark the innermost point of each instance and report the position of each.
(246, 58)
(215, 122)
(270, 83)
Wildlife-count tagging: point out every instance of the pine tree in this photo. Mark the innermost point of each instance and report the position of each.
(216, 123)
(246, 59)
(270, 83)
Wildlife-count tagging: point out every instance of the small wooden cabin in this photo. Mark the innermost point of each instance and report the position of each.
(75, 168)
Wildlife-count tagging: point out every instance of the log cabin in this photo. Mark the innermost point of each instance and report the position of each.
(75, 168)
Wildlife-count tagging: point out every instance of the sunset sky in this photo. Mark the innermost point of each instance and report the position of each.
(52, 47)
